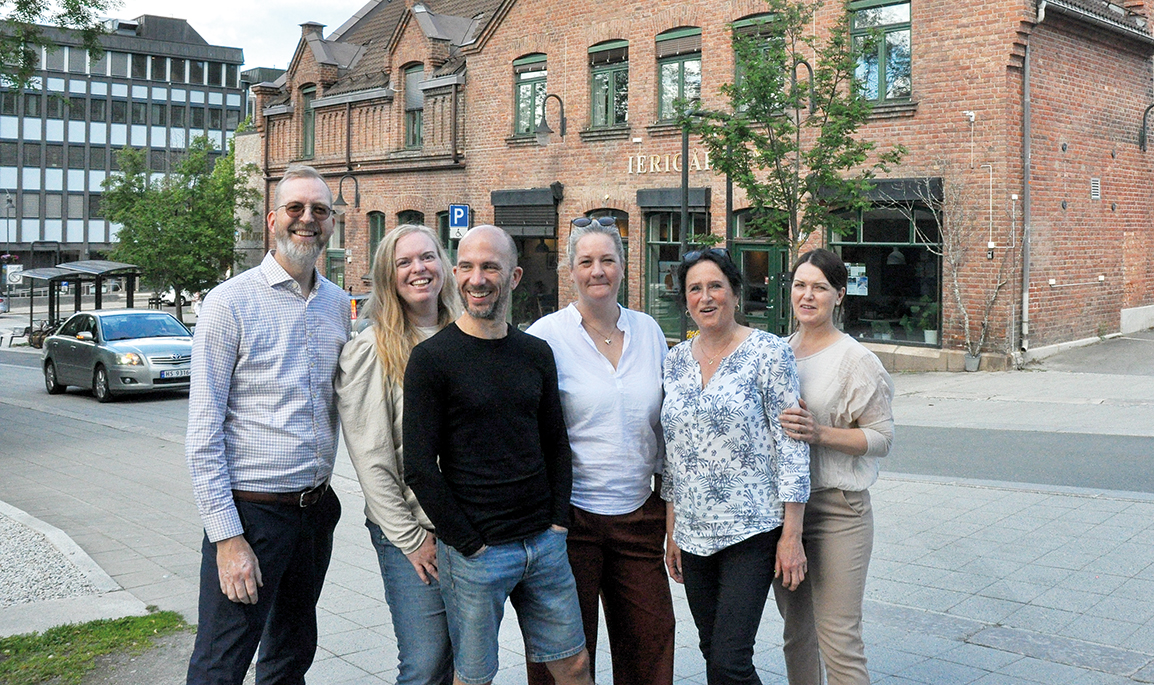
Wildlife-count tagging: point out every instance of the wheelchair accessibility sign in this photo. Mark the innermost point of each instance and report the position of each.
(458, 221)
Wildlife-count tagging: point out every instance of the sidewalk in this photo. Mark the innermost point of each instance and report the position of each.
(971, 582)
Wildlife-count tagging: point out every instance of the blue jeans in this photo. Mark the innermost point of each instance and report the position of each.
(419, 624)
(534, 573)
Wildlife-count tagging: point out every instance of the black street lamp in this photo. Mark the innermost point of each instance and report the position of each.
(543, 131)
(339, 204)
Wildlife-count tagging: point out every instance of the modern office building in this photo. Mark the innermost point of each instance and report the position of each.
(1026, 114)
(158, 85)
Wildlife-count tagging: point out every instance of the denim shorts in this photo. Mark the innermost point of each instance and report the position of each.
(534, 574)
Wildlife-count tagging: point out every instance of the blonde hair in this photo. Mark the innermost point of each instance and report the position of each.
(396, 336)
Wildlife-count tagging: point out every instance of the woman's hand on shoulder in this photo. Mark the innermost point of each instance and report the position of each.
(799, 424)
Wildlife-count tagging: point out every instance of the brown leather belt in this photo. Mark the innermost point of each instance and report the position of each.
(302, 499)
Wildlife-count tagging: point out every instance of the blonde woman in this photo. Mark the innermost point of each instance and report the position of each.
(409, 303)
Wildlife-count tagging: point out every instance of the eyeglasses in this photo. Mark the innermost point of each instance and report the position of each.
(296, 209)
(698, 254)
(605, 221)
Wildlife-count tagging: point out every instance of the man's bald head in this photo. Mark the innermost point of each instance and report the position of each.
(500, 238)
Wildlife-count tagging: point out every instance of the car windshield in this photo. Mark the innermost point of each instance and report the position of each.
(131, 326)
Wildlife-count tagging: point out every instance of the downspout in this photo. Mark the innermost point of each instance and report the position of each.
(267, 206)
(1026, 178)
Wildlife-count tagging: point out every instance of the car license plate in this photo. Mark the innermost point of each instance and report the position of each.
(175, 373)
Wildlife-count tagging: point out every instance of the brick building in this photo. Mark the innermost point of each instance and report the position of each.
(410, 107)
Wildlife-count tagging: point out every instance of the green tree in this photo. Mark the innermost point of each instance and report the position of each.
(22, 32)
(181, 229)
(790, 138)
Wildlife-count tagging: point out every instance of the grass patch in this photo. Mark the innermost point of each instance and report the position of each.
(66, 653)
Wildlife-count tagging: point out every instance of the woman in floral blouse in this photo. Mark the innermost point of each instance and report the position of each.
(735, 484)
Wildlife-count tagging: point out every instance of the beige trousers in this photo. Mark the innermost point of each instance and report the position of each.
(824, 614)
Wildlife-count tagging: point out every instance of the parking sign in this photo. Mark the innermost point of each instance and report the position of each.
(458, 221)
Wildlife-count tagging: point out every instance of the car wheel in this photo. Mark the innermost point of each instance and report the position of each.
(100, 387)
(50, 383)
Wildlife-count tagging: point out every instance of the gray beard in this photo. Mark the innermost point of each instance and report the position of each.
(302, 257)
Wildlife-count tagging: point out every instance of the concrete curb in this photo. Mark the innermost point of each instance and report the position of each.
(111, 602)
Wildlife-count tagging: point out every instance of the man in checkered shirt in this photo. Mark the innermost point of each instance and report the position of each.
(262, 437)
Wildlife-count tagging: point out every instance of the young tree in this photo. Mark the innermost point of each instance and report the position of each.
(22, 34)
(790, 139)
(181, 230)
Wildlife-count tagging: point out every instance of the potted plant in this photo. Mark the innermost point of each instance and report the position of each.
(881, 330)
(923, 316)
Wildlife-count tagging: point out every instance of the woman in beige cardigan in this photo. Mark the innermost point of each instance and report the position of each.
(846, 418)
(409, 303)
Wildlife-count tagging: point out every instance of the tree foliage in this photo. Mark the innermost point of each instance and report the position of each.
(790, 138)
(181, 229)
(22, 32)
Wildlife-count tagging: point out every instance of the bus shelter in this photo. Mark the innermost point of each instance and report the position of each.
(95, 271)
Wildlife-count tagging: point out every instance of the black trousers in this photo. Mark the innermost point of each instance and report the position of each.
(727, 592)
(293, 547)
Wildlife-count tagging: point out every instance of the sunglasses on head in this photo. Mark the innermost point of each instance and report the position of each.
(698, 254)
(583, 221)
(296, 209)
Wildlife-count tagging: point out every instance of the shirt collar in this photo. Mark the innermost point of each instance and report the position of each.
(275, 274)
(575, 316)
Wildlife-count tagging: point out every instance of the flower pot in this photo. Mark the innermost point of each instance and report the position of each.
(885, 336)
(972, 361)
(931, 337)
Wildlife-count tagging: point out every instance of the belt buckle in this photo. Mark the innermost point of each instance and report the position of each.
(302, 499)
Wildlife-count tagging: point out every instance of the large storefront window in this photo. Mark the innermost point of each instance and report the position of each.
(894, 291)
(763, 263)
(664, 229)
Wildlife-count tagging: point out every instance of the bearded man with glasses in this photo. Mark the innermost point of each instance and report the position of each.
(261, 442)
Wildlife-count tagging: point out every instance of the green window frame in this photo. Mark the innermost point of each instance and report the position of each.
(414, 106)
(376, 234)
(678, 70)
(609, 84)
(664, 254)
(530, 74)
(881, 31)
(308, 122)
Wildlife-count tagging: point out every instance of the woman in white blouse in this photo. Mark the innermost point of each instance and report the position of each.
(409, 303)
(735, 482)
(609, 372)
(846, 418)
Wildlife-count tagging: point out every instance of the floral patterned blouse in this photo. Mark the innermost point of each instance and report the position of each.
(729, 465)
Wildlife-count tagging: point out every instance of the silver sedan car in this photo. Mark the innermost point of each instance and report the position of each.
(116, 352)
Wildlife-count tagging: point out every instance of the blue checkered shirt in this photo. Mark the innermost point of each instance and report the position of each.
(261, 411)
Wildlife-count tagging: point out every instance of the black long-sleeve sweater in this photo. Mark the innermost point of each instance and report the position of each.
(486, 451)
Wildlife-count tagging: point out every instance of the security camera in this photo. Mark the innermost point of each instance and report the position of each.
(970, 115)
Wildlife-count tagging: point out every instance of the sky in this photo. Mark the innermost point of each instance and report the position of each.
(267, 30)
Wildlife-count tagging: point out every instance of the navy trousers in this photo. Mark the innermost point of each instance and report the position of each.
(293, 547)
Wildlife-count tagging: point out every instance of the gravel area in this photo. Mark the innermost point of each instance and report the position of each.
(32, 569)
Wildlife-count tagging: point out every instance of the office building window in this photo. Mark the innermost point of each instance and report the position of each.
(54, 156)
(678, 69)
(159, 68)
(8, 103)
(119, 61)
(114, 159)
(414, 105)
(30, 205)
(231, 119)
(54, 106)
(198, 118)
(156, 160)
(54, 59)
(140, 113)
(76, 157)
(32, 155)
(31, 105)
(100, 66)
(530, 73)
(77, 60)
(215, 119)
(215, 73)
(376, 233)
(53, 205)
(140, 66)
(609, 78)
(119, 112)
(9, 154)
(308, 122)
(94, 210)
(97, 110)
(75, 206)
(231, 72)
(159, 114)
(176, 70)
(881, 35)
(196, 72)
(76, 107)
(178, 116)
(97, 157)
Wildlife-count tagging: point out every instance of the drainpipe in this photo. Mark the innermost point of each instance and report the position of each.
(453, 124)
(1026, 161)
(267, 205)
(348, 137)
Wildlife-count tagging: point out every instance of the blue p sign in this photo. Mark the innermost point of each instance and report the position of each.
(458, 220)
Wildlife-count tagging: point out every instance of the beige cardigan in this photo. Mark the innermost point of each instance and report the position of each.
(370, 409)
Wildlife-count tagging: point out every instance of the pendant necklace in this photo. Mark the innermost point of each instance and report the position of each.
(712, 359)
(608, 338)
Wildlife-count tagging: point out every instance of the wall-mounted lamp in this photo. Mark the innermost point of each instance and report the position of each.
(339, 204)
(1142, 131)
(543, 131)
